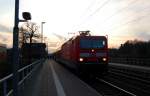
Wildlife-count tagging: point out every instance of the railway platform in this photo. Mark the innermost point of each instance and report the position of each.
(55, 80)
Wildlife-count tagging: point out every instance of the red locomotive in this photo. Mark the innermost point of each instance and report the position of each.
(85, 53)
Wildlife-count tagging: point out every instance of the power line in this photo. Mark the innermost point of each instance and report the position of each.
(125, 8)
(117, 12)
(97, 10)
(105, 3)
(126, 17)
(89, 7)
(134, 20)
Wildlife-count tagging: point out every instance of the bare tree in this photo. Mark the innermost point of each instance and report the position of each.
(28, 32)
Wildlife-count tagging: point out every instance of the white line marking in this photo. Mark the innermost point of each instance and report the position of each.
(117, 87)
(59, 88)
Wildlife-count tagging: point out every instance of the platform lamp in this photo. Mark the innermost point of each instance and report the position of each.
(42, 31)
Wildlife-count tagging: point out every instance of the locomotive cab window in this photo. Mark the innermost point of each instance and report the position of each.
(92, 43)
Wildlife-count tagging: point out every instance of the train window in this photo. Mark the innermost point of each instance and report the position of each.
(87, 43)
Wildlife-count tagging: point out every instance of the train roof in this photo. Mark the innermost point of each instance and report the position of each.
(79, 36)
(100, 37)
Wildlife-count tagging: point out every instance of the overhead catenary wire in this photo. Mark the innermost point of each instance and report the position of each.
(89, 7)
(131, 21)
(102, 5)
(119, 11)
(97, 10)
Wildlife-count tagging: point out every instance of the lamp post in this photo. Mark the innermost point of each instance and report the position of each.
(46, 42)
(42, 31)
(15, 50)
(26, 17)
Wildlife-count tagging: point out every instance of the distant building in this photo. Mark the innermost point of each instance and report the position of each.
(3, 52)
(34, 50)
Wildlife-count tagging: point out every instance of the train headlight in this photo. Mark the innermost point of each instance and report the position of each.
(93, 50)
(104, 59)
(80, 59)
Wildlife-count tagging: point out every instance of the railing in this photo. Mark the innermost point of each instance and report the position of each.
(24, 73)
(131, 61)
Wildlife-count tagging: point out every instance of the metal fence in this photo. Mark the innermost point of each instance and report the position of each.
(24, 73)
(131, 61)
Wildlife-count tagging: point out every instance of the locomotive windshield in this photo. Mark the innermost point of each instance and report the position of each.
(92, 43)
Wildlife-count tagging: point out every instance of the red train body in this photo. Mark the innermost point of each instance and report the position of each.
(87, 54)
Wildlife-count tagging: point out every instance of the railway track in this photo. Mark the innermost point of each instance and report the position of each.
(119, 83)
(123, 92)
(106, 88)
(135, 85)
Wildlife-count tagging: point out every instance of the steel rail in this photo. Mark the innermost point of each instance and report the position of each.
(129, 75)
(143, 82)
(116, 86)
(132, 61)
(127, 66)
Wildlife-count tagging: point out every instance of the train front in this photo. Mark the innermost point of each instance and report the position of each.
(93, 54)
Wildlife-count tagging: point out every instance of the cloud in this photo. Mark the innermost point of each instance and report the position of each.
(140, 29)
(6, 38)
(4, 28)
(53, 44)
(61, 38)
(143, 35)
(5, 35)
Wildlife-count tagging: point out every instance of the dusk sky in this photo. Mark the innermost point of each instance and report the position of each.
(121, 20)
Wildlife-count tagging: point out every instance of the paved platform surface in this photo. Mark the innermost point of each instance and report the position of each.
(54, 80)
